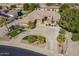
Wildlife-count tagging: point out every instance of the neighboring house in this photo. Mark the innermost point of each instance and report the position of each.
(50, 8)
(10, 14)
(2, 13)
(13, 14)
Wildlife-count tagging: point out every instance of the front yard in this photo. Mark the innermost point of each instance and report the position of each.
(13, 33)
(37, 39)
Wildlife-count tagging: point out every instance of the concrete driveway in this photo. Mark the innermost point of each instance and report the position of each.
(50, 33)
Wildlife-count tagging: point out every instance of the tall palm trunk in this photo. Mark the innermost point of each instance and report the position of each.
(6, 23)
(7, 28)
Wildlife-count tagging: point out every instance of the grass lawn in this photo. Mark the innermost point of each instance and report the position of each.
(30, 38)
(15, 32)
(35, 39)
(61, 37)
(75, 37)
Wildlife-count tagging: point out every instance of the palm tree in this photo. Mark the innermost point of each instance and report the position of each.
(5, 22)
(40, 40)
(61, 40)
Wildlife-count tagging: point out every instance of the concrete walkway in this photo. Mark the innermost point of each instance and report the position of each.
(73, 47)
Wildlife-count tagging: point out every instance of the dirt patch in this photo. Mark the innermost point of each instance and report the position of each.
(4, 38)
(33, 44)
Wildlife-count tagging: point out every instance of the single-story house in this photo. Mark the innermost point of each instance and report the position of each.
(39, 14)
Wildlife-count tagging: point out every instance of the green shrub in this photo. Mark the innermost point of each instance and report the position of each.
(31, 25)
(26, 6)
(62, 31)
(63, 7)
(20, 13)
(70, 20)
(30, 38)
(34, 38)
(3, 21)
(75, 37)
(31, 6)
(12, 6)
(61, 37)
(40, 40)
(13, 33)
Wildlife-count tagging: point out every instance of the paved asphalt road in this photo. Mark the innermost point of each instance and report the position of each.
(15, 51)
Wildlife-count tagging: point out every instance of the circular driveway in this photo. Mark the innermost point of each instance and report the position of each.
(50, 33)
